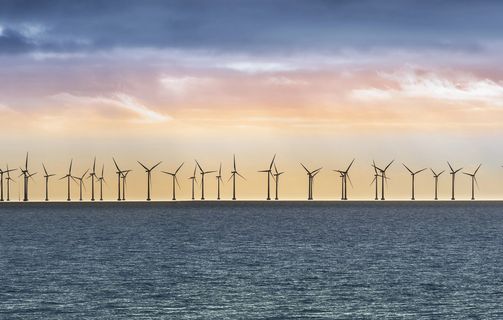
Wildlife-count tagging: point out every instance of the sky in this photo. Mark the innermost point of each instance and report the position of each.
(318, 82)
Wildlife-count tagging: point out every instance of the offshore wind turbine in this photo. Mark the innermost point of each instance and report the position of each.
(276, 180)
(2, 172)
(81, 183)
(310, 177)
(219, 180)
(124, 177)
(344, 174)
(119, 175)
(435, 177)
(413, 175)
(203, 173)
(101, 179)
(149, 176)
(93, 175)
(26, 176)
(474, 180)
(194, 179)
(269, 175)
(175, 181)
(69, 176)
(234, 172)
(453, 175)
(8, 179)
(383, 176)
(47, 176)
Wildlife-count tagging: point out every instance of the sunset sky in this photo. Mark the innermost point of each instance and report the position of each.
(318, 82)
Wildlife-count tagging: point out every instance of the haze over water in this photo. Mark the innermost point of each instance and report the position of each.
(250, 260)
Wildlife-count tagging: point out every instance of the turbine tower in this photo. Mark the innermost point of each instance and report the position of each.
(375, 180)
(26, 176)
(93, 175)
(234, 172)
(383, 176)
(310, 178)
(124, 183)
(269, 175)
(47, 176)
(344, 174)
(175, 181)
(194, 179)
(276, 180)
(474, 180)
(203, 173)
(149, 177)
(101, 179)
(119, 175)
(81, 183)
(453, 175)
(2, 172)
(8, 179)
(413, 174)
(219, 180)
(69, 176)
(435, 177)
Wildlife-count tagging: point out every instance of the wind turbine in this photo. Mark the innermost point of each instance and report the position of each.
(219, 179)
(383, 176)
(344, 174)
(413, 174)
(435, 176)
(235, 172)
(474, 180)
(119, 174)
(26, 176)
(47, 176)
(69, 176)
(453, 175)
(8, 179)
(194, 179)
(81, 183)
(2, 172)
(149, 177)
(124, 177)
(269, 175)
(375, 180)
(202, 172)
(276, 180)
(175, 181)
(93, 175)
(310, 176)
(101, 179)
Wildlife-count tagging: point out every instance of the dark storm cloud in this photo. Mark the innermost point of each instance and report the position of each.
(225, 25)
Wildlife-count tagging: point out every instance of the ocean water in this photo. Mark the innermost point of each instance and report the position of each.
(252, 260)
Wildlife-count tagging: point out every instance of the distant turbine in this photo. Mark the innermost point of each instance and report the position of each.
(2, 172)
(81, 183)
(9, 179)
(69, 176)
(453, 175)
(376, 176)
(219, 180)
(101, 179)
(203, 173)
(175, 181)
(47, 176)
(474, 180)
(310, 177)
(149, 177)
(276, 180)
(383, 177)
(413, 174)
(269, 175)
(435, 176)
(26, 176)
(234, 172)
(344, 174)
(124, 183)
(194, 179)
(119, 175)
(92, 175)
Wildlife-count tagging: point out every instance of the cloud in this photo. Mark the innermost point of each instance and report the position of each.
(413, 84)
(118, 101)
(12, 41)
(183, 85)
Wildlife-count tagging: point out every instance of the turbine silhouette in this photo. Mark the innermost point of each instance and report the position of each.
(474, 180)
(203, 173)
(344, 174)
(149, 177)
(435, 177)
(47, 176)
(310, 177)
(175, 180)
(234, 172)
(276, 176)
(453, 175)
(383, 176)
(413, 175)
(269, 175)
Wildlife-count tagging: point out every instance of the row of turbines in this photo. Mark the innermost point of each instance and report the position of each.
(271, 171)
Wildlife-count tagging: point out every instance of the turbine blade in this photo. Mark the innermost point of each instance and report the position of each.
(44, 169)
(232, 175)
(389, 164)
(242, 176)
(407, 168)
(178, 169)
(419, 171)
(234, 156)
(142, 165)
(452, 170)
(349, 178)
(272, 162)
(349, 167)
(155, 165)
(477, 169)
(304, 167)
(434, 174)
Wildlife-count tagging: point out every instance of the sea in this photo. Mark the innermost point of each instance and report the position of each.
(252, 260)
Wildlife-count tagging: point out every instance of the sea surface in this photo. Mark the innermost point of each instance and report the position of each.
(252, 260)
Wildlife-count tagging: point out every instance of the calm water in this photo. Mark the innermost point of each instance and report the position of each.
(251, 260)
